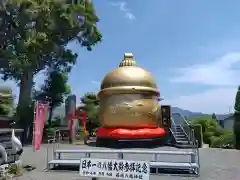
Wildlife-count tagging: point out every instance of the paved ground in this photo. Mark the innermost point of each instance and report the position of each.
(216, 164)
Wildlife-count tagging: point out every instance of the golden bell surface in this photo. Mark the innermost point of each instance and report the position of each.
(129, 97)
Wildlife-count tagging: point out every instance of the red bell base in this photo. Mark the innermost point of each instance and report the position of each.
(130, 134)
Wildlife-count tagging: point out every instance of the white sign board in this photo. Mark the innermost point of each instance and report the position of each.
(115, 169)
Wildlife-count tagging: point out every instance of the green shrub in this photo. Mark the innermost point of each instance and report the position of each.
(207, 137)
(50, 132)
(211, 129)
(224, 141)
(202, 122)
(216, 130)
(213, 123)
(215, 142)
(15, 169)
(213, 134)
(219, 131)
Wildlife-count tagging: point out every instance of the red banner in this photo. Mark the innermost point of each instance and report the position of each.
(39, 122)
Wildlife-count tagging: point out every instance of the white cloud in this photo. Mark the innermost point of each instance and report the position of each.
(220, 72)
(123, 7)
(219, 100)
(96, 82)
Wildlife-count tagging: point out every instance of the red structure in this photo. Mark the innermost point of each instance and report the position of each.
(77, 116)
(130, 134)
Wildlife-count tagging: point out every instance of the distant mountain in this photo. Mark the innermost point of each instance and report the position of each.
(187, 112)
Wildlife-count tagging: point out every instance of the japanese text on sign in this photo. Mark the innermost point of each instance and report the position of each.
(115, 169)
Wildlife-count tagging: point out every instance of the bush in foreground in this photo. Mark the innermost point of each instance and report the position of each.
(224, 141)
(213, 134)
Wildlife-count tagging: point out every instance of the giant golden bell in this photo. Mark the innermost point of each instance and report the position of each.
(129, 97)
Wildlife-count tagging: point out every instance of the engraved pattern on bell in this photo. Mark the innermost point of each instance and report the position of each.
(113, 110)
(139, 104)
(136, 114)
(130, 110)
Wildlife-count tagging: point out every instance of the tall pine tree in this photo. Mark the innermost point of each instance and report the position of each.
(237, 119)
(90, 105)
(214, 116)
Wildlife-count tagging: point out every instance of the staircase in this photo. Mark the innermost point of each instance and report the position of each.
(181, 132)
(180, 137)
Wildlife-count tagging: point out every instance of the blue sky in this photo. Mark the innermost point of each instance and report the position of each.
(191, 47)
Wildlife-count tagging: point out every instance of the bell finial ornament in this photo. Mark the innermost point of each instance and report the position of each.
(128, 60)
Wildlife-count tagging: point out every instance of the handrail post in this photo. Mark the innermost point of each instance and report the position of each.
(198, 160)
(47, 156)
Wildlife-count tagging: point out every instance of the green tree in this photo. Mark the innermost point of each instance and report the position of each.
(214, 116)
(210, 128)
(6, 100)
(90, 105)
(237, 119)
(237, 101)
(33, 37)
(54, 91)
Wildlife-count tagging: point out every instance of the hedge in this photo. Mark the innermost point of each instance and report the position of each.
(207, 137)
(224, 141)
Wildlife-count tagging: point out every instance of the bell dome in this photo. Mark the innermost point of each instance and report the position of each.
(128, 74)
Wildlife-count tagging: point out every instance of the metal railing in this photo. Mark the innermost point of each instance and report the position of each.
(195, 149)
(55, 142)
(54, 145)
(156, 161)
(172, 130)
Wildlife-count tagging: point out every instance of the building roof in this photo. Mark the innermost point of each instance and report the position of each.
(223, 117)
